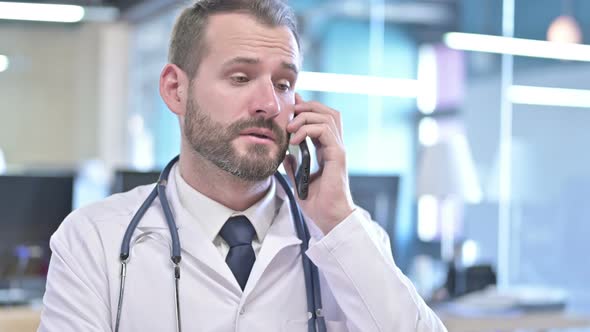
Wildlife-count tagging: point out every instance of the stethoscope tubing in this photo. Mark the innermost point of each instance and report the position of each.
(311, 274)
(314, 300)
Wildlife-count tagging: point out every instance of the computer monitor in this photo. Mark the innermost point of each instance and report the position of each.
(378, 194)
(125, 180)
(31, 210)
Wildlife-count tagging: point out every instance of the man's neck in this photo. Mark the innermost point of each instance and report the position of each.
(219, 185)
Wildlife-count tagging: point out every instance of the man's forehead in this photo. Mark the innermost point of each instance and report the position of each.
(230, 30)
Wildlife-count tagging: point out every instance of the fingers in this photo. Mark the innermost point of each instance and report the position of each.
(320, 123)
(320, 132)
(298, 99)
(311, 118)
(302, 106)
(311, 114)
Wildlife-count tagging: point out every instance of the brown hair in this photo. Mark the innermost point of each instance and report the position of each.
(187, 44)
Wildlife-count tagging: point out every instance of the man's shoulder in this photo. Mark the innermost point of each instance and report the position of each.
(115, 210)
(115, 206)
(89, 238)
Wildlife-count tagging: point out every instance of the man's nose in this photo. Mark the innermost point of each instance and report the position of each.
(265, 101)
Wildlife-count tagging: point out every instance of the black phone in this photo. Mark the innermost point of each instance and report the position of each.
(303, 158)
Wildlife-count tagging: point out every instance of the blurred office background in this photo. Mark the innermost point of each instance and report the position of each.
(470, 150)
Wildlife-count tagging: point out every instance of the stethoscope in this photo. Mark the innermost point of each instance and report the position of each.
(315, 316)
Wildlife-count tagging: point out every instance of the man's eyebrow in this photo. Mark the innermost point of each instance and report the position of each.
(254, 61)
(241, 60)
(290, 66)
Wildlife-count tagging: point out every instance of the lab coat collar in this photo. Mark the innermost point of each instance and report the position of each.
(196, 245)
(212, 215)
(193, 241)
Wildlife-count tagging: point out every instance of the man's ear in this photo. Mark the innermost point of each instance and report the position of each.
(174, 85)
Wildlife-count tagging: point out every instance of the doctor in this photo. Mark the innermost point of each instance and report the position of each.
(231, 78)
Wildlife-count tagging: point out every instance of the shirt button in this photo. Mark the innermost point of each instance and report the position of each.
(242, 311)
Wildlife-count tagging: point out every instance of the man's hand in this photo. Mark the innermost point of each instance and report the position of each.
(329, 200)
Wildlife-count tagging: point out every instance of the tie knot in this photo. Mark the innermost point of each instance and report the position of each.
(238, 231)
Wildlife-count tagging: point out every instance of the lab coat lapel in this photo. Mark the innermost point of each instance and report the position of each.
(280, 235)
(195, 245)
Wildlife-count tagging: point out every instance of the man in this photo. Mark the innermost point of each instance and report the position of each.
(231, 80)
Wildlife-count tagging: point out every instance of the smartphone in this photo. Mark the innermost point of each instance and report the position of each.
(303, 158)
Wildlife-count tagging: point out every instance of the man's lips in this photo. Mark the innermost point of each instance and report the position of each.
(259, 133)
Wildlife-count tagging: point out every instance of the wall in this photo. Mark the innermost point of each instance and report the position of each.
(379, 132)
(549, 188)
(53, 95)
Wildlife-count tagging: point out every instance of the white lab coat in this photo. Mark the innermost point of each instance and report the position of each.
(362, 289)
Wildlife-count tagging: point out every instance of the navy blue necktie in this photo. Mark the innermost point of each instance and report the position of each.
(238, 232)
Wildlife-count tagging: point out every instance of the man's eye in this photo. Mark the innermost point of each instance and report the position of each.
(240, 79)
(284, 86)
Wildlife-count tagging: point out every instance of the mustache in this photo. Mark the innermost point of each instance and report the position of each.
(238, 126)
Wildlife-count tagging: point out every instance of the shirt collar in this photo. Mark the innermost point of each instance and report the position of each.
(212, 215)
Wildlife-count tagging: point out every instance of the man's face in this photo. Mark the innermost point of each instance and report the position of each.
(242, 97)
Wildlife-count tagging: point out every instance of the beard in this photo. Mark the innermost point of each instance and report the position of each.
(213, 141)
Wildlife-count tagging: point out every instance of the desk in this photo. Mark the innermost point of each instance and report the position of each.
(539, 321)
(19, 319)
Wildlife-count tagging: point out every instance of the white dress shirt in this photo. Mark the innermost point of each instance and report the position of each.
(211, 215)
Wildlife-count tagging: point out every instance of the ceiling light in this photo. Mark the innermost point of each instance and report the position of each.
(544, 96)
(517, 46)
(4, 63)
(40, 12)
(427, 76)
(428, 131)
(564, 29)
(358, 84)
